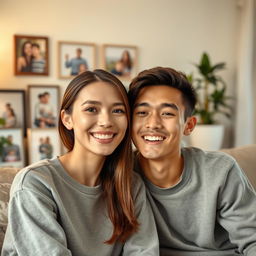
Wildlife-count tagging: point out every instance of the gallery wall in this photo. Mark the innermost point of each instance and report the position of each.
(167, 33)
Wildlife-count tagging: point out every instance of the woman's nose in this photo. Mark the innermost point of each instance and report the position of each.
(105, 120)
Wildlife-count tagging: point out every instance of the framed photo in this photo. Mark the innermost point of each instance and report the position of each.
(120, 60)
(43, 106)
(75, 58)
(11, 148)
(43, 144)
(31, 55)
(12, 109)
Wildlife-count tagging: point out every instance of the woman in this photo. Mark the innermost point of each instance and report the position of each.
(24, 62)
(10, 118)
(127, 62)
(86, 202)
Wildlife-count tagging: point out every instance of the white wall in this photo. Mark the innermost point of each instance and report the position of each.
(167, 32)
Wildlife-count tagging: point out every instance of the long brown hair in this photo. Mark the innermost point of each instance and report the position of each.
(116, 176)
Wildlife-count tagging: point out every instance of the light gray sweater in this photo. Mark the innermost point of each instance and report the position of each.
(211, 211)
(52, 214)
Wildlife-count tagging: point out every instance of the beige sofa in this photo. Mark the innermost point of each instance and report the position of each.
(245, 156)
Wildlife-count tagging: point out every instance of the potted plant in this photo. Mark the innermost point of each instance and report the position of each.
(212, 100)
(3, 142)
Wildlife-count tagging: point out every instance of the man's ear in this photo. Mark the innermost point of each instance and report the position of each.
(190, 125)
(66, 119)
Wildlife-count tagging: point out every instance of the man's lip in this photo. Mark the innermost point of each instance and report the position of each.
(156, 138)
(153, 134)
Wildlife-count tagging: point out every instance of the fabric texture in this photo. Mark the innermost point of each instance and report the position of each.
(7, 175)
(246, 158)
(211, 211)
(52, 214)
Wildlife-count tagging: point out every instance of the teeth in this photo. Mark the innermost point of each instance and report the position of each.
(153, 138)
(103, 136)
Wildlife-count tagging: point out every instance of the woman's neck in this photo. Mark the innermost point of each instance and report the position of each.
(84, 168)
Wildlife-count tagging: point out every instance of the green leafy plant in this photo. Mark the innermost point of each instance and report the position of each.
(3, 141)
(211, 91)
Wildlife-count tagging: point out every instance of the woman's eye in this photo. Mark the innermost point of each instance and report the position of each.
(91, 110)
(118, 111)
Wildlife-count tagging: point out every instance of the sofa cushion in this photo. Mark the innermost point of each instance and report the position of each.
(246, 158)
(7, 176)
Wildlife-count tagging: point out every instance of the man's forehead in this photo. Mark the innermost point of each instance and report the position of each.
(161, 92)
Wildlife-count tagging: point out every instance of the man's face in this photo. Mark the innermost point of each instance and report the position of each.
(78, 53)
(158, 122)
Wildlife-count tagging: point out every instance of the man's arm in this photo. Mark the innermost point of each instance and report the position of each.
(237, 211)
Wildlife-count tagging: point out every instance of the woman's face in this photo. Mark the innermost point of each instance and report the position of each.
(125, 56)
(98, 118)
(28, 49)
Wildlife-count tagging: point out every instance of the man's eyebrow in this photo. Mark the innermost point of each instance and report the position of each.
(170, 105)
(163, 105)
(143, 104)
(94, 102)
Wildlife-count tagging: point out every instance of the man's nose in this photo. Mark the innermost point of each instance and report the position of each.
(154, 121)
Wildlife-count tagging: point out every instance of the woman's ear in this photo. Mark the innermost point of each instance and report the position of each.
(190, 125)
(66, 119)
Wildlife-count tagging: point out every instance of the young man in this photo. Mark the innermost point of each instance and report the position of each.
(202, 201)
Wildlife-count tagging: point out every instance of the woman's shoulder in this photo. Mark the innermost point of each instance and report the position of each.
(36, 177)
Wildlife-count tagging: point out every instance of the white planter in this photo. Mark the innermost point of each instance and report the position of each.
(207, 137)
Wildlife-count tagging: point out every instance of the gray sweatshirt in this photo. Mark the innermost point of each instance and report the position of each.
(211, 211)
(52, 214)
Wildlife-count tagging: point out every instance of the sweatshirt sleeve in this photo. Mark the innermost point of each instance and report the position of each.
(145, 241)
(237, 211)
(33, 228)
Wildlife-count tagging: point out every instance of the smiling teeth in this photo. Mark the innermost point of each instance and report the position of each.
(103, 136)
(153, 138)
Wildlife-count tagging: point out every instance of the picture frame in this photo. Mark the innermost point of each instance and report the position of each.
(12, 153)
(120, 60)
(43, 144)
(75, 57)
(12, 109)
(31, 55)
(43, 106)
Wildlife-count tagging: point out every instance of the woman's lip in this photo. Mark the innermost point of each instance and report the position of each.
(103, 137)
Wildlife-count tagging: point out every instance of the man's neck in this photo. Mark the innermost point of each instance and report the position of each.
(163, 173)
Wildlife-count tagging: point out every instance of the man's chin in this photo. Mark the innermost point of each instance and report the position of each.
(150, 154)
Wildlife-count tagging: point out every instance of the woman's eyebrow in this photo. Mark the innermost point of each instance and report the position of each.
(94, 102)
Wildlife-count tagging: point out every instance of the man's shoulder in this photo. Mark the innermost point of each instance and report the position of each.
(197, 154)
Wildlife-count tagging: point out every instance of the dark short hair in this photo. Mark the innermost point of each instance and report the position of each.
(36, 45)
(164, 76)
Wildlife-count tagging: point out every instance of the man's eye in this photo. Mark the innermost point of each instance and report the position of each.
(118, 111)
(168, 114)
(91, 110)
(141, 113)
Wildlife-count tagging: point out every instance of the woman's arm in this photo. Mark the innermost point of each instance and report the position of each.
(33, 228)
(21, 63)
